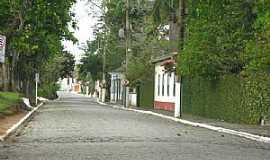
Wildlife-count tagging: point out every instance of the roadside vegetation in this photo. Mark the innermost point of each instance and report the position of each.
(8, 100)
(219, 42)
(35, 31)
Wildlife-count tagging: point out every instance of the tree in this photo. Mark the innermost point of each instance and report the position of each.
(256, 55)
(217, 33)
(91, 64)
(34, 31)
(68, 65)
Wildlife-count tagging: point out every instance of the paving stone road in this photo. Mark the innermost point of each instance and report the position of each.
(76, 128)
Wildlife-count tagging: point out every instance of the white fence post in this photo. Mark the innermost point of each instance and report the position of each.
(127, 97)
(177, 100)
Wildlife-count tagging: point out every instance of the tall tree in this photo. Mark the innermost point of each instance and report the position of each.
(34, 31)
(217, 33)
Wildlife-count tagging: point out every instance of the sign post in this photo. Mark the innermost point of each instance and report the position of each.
(37, 80)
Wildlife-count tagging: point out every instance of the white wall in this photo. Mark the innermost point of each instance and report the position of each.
(65, 86)
(133, 99)
(159, 70)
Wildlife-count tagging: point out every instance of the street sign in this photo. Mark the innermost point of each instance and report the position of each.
(37, 77)
(37, 81)
(125, 82)
(2, 48)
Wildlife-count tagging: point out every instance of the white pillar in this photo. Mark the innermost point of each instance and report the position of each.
(100, 93)
(127, 97)
(177, 100)
(103, 91)
(36, 92)
(87, 90)
(37, 80)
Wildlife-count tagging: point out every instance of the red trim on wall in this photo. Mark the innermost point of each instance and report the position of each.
(168, 106)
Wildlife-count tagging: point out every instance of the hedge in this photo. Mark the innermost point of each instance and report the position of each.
(231, 98)
(146, 93)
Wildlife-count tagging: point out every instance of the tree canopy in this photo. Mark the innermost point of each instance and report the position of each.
(35, 31)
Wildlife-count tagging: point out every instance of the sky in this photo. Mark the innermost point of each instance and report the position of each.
(86, 17)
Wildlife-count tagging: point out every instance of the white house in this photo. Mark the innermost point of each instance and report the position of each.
(66, 84)
(166, 90)
(70, 85)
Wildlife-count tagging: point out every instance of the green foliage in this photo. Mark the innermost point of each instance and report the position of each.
(91, 64)
(218, 99)
(35, 31)
(57, 66)
(226, 39)
(256, 96)
(231, 98)
(48, 90)
(146, 97)
(256, 55)
(68, 65)
(7, 99)
(217, 33)
(164, 11)
(108, 43)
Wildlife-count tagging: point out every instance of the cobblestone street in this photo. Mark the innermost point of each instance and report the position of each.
(76, 127)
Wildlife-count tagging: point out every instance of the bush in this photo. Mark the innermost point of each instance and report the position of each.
(48, 90)
(7, 99)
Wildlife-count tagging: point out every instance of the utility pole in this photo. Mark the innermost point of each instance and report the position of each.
(127, 50)
(181, 23)
(103, 90)
(179, 84)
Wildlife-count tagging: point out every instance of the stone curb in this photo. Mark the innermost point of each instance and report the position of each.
(20, 123)
(195, 124)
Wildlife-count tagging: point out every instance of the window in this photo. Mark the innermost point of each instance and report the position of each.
(168, 84)
(159, 85)
(163, 79)
(174, 83)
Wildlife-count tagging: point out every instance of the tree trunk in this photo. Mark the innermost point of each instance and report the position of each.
(1, 77)
(27, 89)
(13, 72)
(173, 36)
(4, 79)
(181, 23)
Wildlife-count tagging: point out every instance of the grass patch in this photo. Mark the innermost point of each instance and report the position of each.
(7, 100)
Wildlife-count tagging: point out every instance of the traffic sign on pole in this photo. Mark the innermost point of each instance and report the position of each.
(2, 48)
(37, 77)
(37, 81)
